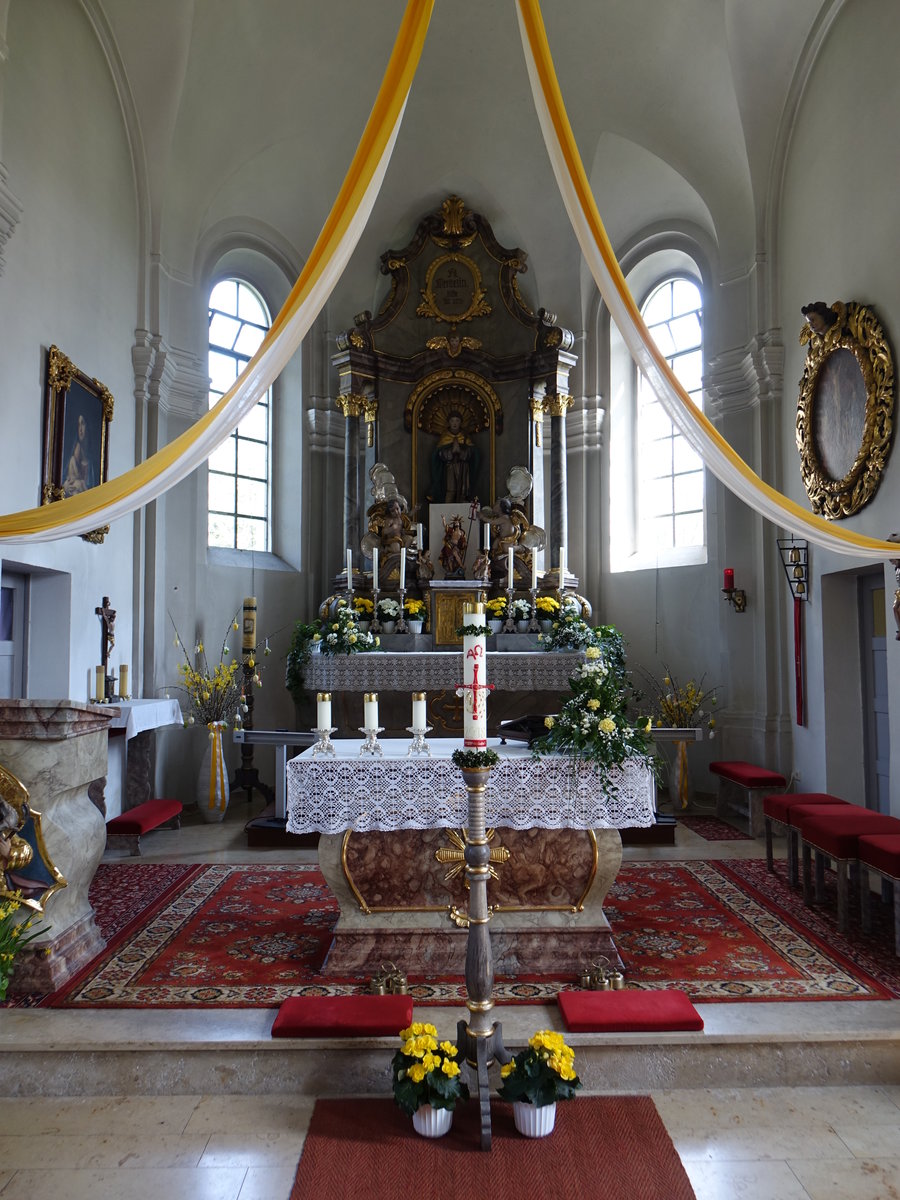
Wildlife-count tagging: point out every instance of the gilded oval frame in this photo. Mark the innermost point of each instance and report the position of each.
(854, 328)
(431, 304)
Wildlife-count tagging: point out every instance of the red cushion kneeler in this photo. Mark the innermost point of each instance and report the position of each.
(778, 808)
(836, 831)
(628, 1011)
(746, 775)
(343, 1016)
(881, 851)
(144, 817)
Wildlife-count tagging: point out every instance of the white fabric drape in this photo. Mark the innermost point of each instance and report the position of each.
(715, 452)
(337, 241)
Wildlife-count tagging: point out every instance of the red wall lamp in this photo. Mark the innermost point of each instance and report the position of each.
(736, 597)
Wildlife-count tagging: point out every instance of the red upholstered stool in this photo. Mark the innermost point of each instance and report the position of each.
(777, 811)
(343, 1016)
(834, 834)
(752, 781)
(125, 830)
(628, 1011)
(879, 852)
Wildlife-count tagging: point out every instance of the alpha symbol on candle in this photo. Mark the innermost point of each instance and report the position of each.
(471, 690)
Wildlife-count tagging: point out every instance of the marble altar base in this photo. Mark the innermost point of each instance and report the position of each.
(395, 902)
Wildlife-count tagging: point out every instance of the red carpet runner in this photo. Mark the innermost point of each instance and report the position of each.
(614, 1146)
(249, 936)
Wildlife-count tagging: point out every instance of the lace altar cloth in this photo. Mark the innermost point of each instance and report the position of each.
(331, 794)
(538, 671)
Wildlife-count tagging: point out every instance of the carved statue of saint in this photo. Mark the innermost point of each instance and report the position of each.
(453, 551)
(454, 463)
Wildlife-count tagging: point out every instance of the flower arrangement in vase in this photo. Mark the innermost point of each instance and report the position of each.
(388, 612)
(14, 934)
(520, 610)
(683, 706)
(496, 612)
(415, 611)
(341, 634)
(569, 630)
(426, 1079)
(363, 607)
(536, 1078)
(594, 724)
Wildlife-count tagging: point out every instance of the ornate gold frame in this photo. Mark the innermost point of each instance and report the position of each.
(852, 327)
(14, 792)
(430, 306)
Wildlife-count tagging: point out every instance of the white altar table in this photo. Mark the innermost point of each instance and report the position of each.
(128, 781)
(347, 791)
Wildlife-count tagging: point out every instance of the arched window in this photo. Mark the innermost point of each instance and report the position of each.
(670, 473)
(657, 482)
(240, 470)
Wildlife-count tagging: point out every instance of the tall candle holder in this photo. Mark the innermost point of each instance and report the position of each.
(533, 626)
(374, 624)
(509, 625)
(371, 745)
(402, 626)
(324, 745)
(418, 745)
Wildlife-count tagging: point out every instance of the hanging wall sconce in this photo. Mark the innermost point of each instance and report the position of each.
(795, 560)
(736, 597)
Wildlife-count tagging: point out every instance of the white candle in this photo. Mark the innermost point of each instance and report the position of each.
(323, 710)
(419, 542)
(375, 567)
(349, 570)
(474, 680)
(534, 570)
(562, 566)
(370, 710)
(123, 679)
(402, 568)
(99, 683)
(510, 568)
(419, 720)
(487, 535)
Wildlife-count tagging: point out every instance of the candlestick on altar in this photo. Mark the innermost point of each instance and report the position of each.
(419, 717)
(533, 626)
(402, 626)
(418, 745)
(371, 745)
(324, 744)
(509, 625)
(375, 624)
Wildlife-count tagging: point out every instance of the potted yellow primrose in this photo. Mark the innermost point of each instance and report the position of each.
(426, 1080)
(536, 1078)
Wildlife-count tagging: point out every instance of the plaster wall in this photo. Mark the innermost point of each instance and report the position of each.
(70, 279)
(837, 228)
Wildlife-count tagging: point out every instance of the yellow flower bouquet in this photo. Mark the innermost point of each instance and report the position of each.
(214, 695)
(425, 1071)
(414, 608)
(547, 606)
(14, 934)
(542, 1073)
(363, 606)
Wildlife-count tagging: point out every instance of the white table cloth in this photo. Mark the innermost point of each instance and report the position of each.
(331, 794)
(136, 716)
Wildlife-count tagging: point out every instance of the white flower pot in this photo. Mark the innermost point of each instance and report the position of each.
(363, 626)
(414, 625)
(546, 626)
(522, 624)
(388, 626)
(534, 1122)
(432, 1122)
(495, 624)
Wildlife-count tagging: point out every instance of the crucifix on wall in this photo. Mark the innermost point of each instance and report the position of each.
(107, 616)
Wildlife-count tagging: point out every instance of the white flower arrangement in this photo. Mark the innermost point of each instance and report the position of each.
(388, 609)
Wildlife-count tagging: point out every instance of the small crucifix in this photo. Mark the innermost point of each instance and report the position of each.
(107, 617)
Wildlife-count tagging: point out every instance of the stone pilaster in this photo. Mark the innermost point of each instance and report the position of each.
(352, 406)
(558, 406)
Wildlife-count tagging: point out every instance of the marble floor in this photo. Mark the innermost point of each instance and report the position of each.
(768, 1143)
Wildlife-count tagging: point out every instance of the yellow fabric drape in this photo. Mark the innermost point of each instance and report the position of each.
(581, 207)
(330, 254)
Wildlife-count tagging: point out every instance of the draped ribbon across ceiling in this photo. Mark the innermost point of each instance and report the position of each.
(328, 258)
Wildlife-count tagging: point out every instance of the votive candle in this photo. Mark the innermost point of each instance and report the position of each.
(99, 683)
(509, 572)
(402, 568)
(419, 716)
(370, 710)
(323, 710)
(728, 579)
(123, 679)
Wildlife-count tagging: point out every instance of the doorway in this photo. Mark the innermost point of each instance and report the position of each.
(874, 678)
(13, 623)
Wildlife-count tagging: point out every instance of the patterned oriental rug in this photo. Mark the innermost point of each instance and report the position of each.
(712, 829)
(249, 936)
(600, 1145)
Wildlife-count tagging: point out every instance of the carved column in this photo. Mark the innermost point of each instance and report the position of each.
(559, 526)
(352, 406)
(537, 406)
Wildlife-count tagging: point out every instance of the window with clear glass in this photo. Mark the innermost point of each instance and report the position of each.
(670, 480)
(239, 470)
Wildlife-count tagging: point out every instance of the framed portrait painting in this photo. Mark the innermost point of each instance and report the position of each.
(77, 414)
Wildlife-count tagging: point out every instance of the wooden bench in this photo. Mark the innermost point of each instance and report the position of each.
(833, 833)
(879, 852)
(785, 811)
(124, 832)
(753, 782)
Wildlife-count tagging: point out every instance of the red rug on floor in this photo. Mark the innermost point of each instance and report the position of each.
(613, 1145)
(240, 936)
(712, 829)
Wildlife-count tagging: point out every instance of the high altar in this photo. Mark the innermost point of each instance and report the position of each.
(453, 494)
